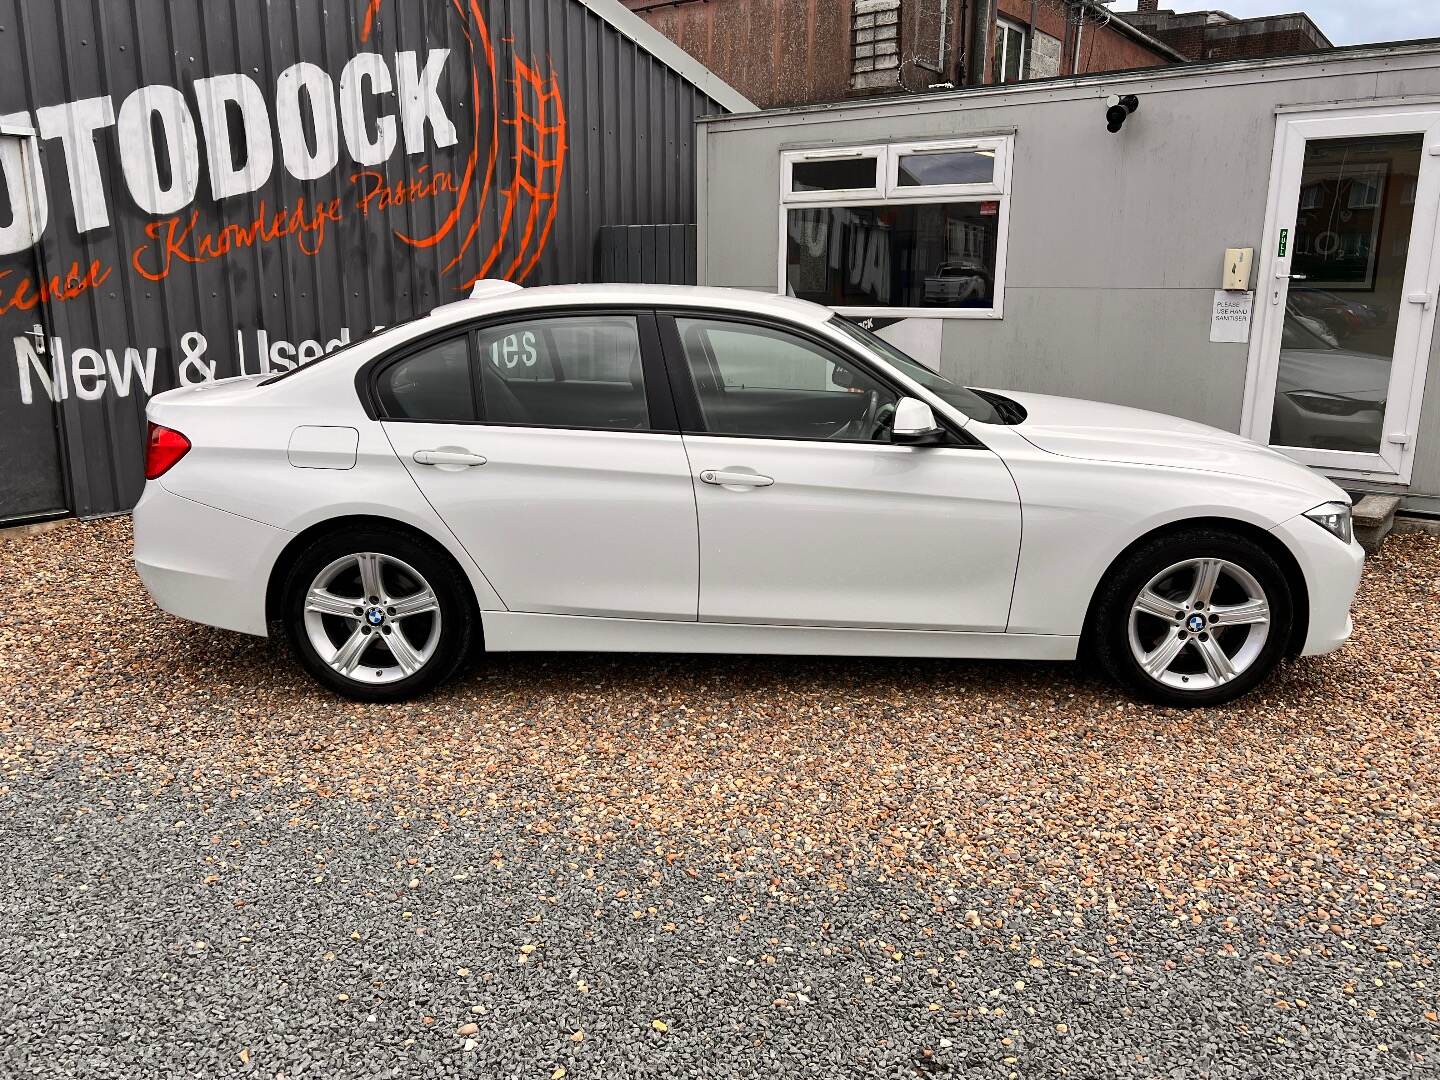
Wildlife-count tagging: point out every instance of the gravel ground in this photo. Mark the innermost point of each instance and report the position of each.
(680, 867)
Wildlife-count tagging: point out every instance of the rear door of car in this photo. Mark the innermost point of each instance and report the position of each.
(548, 443)
(808, 514)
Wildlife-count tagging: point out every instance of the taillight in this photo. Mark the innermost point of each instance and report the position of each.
(163, 449)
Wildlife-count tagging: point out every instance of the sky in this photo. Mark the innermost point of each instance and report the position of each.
(1345, 22)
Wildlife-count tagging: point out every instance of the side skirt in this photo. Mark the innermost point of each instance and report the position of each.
(508, 631)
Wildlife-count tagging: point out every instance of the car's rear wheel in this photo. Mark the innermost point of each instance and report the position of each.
(378, 615)
(1196, 618)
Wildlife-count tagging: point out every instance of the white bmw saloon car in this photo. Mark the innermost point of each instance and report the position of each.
(665, 469)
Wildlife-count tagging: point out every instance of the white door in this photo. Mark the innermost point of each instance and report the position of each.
(810, 517)
(549, 470)
(1346, 301)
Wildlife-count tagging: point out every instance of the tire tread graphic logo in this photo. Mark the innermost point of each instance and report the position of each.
(531, 196)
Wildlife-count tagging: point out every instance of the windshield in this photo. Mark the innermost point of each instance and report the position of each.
(967, 401)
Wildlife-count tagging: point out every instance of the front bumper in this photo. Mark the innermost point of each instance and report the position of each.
(1332, 576)
(204, 564)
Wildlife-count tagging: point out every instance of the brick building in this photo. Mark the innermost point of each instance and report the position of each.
(1216, 35)
(798, 52)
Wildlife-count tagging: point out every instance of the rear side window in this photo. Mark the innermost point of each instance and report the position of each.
(433, 384)
(576, 372)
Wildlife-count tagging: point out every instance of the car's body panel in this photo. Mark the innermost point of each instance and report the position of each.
(203, 564)
(1081, 514)
(869, 535)
(240, 463)
(520, 632)
(571, 522)
(1096, 431)
(864, 548)
(1332, 574)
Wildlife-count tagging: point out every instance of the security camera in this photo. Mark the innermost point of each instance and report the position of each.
(1120, 110)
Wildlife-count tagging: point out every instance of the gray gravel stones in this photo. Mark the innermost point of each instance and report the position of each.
(313, 955)
(796, 868)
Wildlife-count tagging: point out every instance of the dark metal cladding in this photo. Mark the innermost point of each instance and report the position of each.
(231, 188)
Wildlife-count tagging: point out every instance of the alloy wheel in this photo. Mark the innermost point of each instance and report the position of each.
(373, 618)
(1199, 624)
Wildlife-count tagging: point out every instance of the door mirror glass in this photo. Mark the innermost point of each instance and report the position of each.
(915, 424)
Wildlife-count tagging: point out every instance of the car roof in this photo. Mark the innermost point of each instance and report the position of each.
(499, 301)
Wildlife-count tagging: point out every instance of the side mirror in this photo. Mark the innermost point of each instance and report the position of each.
(915, 424)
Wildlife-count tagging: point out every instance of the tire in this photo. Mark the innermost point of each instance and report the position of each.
(1225, 641)
(414, 638)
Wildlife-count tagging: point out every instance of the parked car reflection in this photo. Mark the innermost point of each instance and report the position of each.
(1343, 316)
(957, 285)
(1327, 398)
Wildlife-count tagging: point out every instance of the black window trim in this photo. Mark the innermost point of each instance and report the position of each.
(687, 398)
(659, 398)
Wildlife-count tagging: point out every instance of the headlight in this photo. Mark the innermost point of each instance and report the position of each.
(1334, 518)
(1332, 404)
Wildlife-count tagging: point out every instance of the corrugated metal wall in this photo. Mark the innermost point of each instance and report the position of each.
(298, 172)
(641, 254)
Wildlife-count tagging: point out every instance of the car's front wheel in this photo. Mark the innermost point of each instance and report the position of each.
(1195, 618)
(378, 615)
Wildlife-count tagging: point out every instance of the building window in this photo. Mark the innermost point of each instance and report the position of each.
(1011, 42)
(913, 229)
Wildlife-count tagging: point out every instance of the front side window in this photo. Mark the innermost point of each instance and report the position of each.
(767, 383)
(432, 384)
(967, 401)
(929, 240)
(575, 372)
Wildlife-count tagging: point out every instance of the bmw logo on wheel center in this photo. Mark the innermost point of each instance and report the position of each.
(1196, 623)
(375, 616)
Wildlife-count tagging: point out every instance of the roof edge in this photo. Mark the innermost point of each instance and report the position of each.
(1154, 44)
(1195, 69)
(630, 25)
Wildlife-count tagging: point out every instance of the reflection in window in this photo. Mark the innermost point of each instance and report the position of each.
(768, 383)
(1351, 249)
(940, 255)
(433, 384)
(947, 167)
(929, 238)
(582, 372)
(1010, 44)
(836, 174)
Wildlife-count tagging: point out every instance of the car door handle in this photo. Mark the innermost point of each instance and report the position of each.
(452, 458)
(722, 478)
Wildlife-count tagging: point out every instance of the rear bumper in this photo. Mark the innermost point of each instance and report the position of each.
(1332, 575)
(204, 564)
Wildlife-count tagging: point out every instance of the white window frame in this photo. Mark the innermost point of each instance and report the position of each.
(889, 192)
(849, 153)
(1020, 28)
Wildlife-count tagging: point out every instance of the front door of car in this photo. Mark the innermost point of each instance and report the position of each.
(549, 447)
(809, 515)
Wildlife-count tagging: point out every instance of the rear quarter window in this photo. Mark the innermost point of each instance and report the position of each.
(432, 384)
